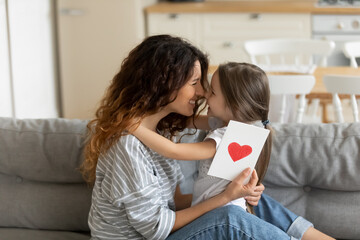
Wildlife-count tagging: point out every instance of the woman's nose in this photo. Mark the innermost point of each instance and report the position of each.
(199, 90)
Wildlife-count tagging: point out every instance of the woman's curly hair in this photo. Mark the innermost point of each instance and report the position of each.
(151, 74)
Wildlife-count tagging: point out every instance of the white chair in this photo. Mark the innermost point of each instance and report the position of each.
(352, 51)
(284, 85)
(291, 55)
(288, 51)
(339, 84)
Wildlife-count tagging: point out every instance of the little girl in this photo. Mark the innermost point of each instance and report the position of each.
(239, 91)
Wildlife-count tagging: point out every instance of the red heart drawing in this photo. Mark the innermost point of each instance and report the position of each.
(238, 152)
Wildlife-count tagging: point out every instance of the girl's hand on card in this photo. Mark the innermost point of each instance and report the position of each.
(237, 189)
(254, 198)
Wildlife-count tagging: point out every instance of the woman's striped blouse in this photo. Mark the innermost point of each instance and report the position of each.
(133, 193)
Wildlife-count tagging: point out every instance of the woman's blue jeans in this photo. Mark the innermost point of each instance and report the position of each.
(272, 221)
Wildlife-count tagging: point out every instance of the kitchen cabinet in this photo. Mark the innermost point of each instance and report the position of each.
(222, 35)
(94, 37)
(184, 25)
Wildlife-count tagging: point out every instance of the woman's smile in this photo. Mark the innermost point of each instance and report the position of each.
(187, 95)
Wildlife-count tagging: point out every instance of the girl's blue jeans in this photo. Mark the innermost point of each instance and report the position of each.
(272, 221)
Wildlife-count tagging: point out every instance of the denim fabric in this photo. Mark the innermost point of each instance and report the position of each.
(273, 221)
(231, 223)
(299, 227)
(273, 212)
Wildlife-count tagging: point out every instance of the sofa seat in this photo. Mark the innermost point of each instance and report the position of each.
(21, 233)
(42, 193)
(314, 171)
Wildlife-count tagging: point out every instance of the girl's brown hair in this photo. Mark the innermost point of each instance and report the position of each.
(150, 75)
(247, 94)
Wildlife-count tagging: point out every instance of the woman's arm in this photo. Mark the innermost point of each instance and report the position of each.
(235, 190)
(179, 151)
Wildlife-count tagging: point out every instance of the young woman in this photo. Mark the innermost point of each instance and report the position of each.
(136, 194)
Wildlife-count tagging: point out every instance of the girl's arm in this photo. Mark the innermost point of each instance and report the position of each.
(234, 190)
(179, 151)
(182, 201)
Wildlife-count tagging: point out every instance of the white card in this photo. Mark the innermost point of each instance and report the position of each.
(239, 149)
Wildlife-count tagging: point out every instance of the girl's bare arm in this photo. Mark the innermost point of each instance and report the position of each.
(182, 201)
(179, 151)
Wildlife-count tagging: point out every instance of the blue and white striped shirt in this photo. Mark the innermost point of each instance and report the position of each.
(133, 193)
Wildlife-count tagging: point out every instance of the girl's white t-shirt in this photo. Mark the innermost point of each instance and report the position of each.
(206, 186)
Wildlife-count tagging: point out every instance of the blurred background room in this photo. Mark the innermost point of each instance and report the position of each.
(58, 56)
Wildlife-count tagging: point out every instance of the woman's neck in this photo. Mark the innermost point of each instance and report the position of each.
(152, 121)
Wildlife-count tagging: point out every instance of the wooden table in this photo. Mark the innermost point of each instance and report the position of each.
(319, 90)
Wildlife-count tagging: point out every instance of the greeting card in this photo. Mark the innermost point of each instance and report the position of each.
(239, 149)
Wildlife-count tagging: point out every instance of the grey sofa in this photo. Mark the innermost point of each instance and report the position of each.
(314, 171)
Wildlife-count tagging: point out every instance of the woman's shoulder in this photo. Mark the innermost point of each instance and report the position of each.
(128, 140)
(127, 152)
(129, 144)
(130, 152)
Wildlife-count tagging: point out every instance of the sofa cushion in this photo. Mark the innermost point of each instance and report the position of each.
(314, 171)
(40, 186)
(49, 147)
(28, 234)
